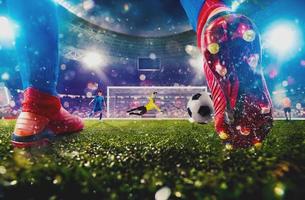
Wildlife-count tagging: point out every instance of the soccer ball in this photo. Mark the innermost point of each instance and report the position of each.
(200, 108)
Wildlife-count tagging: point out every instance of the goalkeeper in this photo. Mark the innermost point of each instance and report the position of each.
(148, 107)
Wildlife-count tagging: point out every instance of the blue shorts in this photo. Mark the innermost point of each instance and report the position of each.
(97, 109)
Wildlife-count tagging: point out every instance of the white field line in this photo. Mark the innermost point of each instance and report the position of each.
(178, 119)
(157, 87)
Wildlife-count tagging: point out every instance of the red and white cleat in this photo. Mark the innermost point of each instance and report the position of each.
(231, 47)
(42, 120)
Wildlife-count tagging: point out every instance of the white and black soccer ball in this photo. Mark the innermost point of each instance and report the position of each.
(200, 108)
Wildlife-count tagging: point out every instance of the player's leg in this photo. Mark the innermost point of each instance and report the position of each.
(289, 112)
(231, 47)
(134, 109)
(92, 114)
(101, 114)
(143, 110)
(286, 111)
(140, 111)
(134, 113)
(37, 43)
(42, 116)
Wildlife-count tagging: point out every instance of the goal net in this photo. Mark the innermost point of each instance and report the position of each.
(171, 100)
(4, 96)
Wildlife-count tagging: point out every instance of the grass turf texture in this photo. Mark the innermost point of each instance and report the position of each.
(134, 159)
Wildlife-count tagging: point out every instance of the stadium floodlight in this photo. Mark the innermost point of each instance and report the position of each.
(92, 59)
(283, 39)
(279, 94)
(7, 33)
(5, 76)
(88, 4)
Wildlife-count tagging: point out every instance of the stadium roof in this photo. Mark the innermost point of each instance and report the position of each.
(78, 35)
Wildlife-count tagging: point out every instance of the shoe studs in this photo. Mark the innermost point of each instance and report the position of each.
(245, 131)
(265, 110)
(249, 35)
(222, 71)
(213, 48)
(223, 135)
(229, 118)
(258, 145)
(229, 147)
(253, 61)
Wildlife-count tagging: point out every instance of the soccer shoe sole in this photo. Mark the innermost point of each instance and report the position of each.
(249, 120)
(43, 138)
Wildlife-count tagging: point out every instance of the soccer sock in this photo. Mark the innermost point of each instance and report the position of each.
(143, 111)
(192, 9)
(199, 10)
(101, 115)
(135, 114)
(37, 43)
(133, 110)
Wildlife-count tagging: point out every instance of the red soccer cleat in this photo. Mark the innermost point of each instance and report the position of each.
(42, 120)
(231, 47)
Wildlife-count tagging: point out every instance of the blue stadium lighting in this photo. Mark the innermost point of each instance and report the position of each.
(92, 60)
(236, 4)
(7, 33)
(283, 40)
(58, 1)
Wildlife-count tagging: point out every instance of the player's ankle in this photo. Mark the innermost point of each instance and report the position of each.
(40, 103)
(209, 9)
(218, 10)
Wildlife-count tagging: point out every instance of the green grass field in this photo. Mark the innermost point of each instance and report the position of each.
(134, 159)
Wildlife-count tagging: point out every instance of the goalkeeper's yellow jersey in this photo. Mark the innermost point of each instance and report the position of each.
(151, 105)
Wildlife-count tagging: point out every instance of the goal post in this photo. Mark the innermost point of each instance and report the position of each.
(171, 100)
(4, 96)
